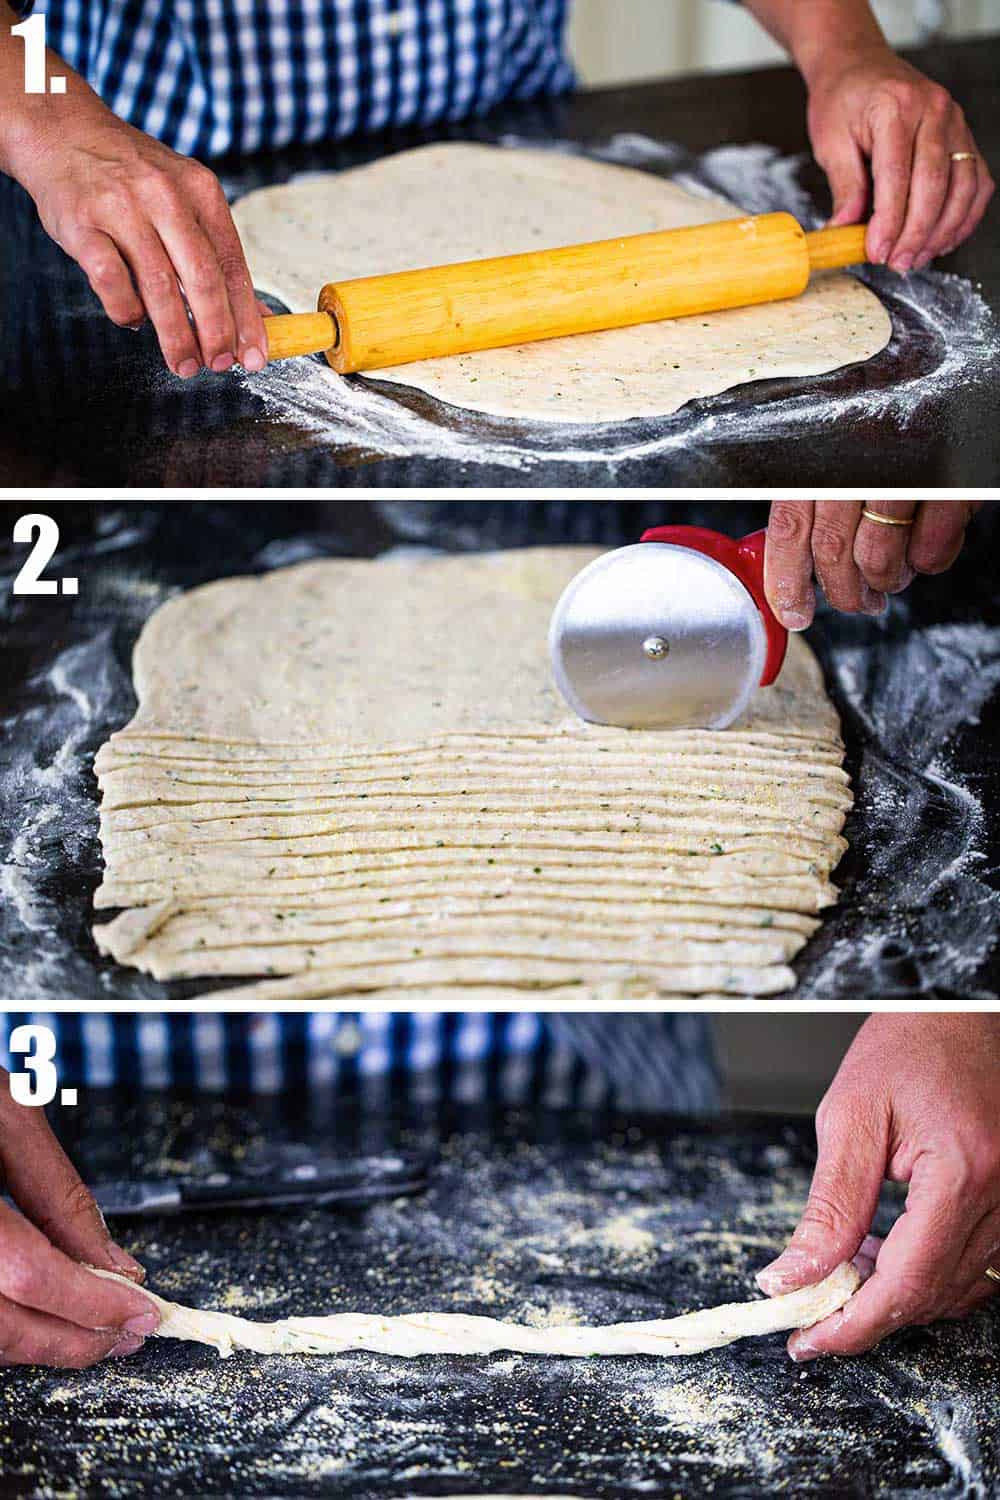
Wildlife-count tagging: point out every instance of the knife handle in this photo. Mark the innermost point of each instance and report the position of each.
(745, 559)
(353, 1182)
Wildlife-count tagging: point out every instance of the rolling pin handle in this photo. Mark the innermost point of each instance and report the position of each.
(289, 334)
(831, 248)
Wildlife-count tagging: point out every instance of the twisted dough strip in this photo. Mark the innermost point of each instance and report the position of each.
(455, 1333)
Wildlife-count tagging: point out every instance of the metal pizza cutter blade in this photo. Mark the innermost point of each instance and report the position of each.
(673, 632)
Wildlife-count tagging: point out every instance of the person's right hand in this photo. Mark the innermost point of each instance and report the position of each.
(856, 560)
(914, 1101)
(140, 219)
(52, 1310)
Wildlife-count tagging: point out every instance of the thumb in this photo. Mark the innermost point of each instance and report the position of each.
(853, 1148)
(50, 1193)
(847, 175)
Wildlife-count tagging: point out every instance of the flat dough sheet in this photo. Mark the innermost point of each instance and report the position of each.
(415, 1334)
(459, 201)
(357, 778)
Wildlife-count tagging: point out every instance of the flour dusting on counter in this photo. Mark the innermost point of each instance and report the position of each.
(47, 831)
(923, 917)
(917, 1412)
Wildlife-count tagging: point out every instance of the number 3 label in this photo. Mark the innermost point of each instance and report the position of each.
(30, 580)
(39, 1083)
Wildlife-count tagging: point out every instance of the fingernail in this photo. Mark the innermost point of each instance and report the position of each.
(254, 360)
(143, 1323)
(188, 368)
(794, 619)
(223, 362)
(136, 327)
(880, 249)
(873, 602)
(792, 1268)
(123, 1262)
(800, 1351)
(125, 1345)
(774, 1277)
(903, 263)
(922, 262)
(906, 577)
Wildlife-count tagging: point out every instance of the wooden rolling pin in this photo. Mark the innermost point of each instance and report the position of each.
(376, 322)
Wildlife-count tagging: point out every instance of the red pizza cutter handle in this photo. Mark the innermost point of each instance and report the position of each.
(745, 558)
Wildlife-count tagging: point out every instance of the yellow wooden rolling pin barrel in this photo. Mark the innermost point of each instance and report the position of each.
(375, 322)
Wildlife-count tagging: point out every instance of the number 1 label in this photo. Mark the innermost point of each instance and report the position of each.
(33, 32)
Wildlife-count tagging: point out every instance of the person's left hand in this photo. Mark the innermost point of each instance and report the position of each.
(869, 111)
(856, 560)
(914, 1101)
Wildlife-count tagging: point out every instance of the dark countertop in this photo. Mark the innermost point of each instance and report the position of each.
(545, 1217)
(919, 916)
(84, 404)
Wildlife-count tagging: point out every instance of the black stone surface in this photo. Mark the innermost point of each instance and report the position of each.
(533, 1216)
(919, 916)
(85, 404)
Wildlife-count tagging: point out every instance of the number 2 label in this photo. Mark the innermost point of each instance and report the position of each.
(29, 580)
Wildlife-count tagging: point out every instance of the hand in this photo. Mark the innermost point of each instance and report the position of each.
(857, 561)
(140, 219)
(915, 1101)
(52, 1310)
(867, 107)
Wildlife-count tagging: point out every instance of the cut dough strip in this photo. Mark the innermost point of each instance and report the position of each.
(455, 1333)
(528, 974)
(322, 854)
(190, 927)
(692, 808)
(567, 747)
(326, 833)
(731, 880)
(142, 776)
(173, 953)
(423, 901)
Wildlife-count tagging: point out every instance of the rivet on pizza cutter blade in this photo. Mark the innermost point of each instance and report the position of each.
(673, 632)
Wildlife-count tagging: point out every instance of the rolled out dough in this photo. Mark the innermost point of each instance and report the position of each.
(462, 201)
(454, 1333)
(357, 778)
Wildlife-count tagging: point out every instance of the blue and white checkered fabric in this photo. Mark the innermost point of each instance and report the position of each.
(625, 1061)
(213, 76)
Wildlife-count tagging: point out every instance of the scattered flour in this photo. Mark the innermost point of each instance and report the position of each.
(924, 920)
(623, 1237)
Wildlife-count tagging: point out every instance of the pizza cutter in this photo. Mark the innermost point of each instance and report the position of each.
(673, 632)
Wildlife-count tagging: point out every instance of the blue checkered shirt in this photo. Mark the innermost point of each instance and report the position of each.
(215, 76)
(624, 1061)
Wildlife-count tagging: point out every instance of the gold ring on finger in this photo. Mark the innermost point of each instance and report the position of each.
(873, 515)
(992, 1273)
(964, 156)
